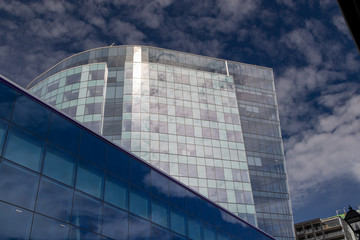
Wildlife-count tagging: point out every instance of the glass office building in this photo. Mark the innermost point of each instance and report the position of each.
(210, 123)
(59, 181)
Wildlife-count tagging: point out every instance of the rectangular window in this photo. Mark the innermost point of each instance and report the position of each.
(59, 165)
(90, 179)
(31, 151)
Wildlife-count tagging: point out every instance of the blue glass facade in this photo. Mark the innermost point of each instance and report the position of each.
(59, 180)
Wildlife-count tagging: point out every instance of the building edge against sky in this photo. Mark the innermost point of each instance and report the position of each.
(59, 180)
(212, 124)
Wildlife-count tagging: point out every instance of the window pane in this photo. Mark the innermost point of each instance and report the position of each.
(177, 195)
(139, 229)
(209, 233)
(80, 234)
(115, 223)
(140, 174)
(194, 228)
(47, 228)
(160, 185)
(118, 163)
(116, 192)
(178, 221)
(59, 165)
(93, 149)
(62, 131)
(7, 98)
(54, 200)
(86, 212)
(15, 222)
(139, 203)
(31, 116)
(3, 129)
(160, 213)
(177, 237)
(159, 233)
(18, 185)
(31, 150)
(90, 179)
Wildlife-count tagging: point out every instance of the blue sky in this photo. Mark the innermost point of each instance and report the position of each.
(307, 43)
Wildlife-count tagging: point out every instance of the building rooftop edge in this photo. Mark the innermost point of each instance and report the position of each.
(27, 87)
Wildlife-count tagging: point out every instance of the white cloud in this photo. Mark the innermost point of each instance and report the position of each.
(327, 152)
(340, 24)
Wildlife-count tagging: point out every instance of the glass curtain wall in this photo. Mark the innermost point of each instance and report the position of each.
(210, 123)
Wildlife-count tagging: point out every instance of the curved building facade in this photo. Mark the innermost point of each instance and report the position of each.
(212, 124)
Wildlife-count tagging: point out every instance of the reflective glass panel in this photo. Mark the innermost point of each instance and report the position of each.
(177, 237)
(194, 228)
(90, 179)
(31, 151)
(59, 165)
(81, 234)
(7, 98)
(86, 212)
(140, 174)
(177, 195)
(160, 213)
(159, 233)
(54, 200)
(139, 203)
(31, 116)
(160, 185)
(178, 221)
(61, 130)
(47, 228)
(118, 163)
(139, 229)
(11, 215)
(18, 185)
(3, 129)
(115, 223)
(116, 192)
(93, 149)
(209, 233)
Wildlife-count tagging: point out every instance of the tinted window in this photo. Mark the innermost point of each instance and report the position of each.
(81, 234)
(31, 151)
(15, 222)
(115, 223)
(64, 133)
(116, 192)
(3, 129)
(160, 213)
(159, 233)
(139, 203)
(118, 163)
(18, 185)
(93, 149)
(47, 228)
(54, 200)
(31, 116)
(177, 195)
(59, 165)
(90, 179)
(139, 229)
(86, 212)
(178, 221)
(7, 98)
(140, 174)
(160, 185)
